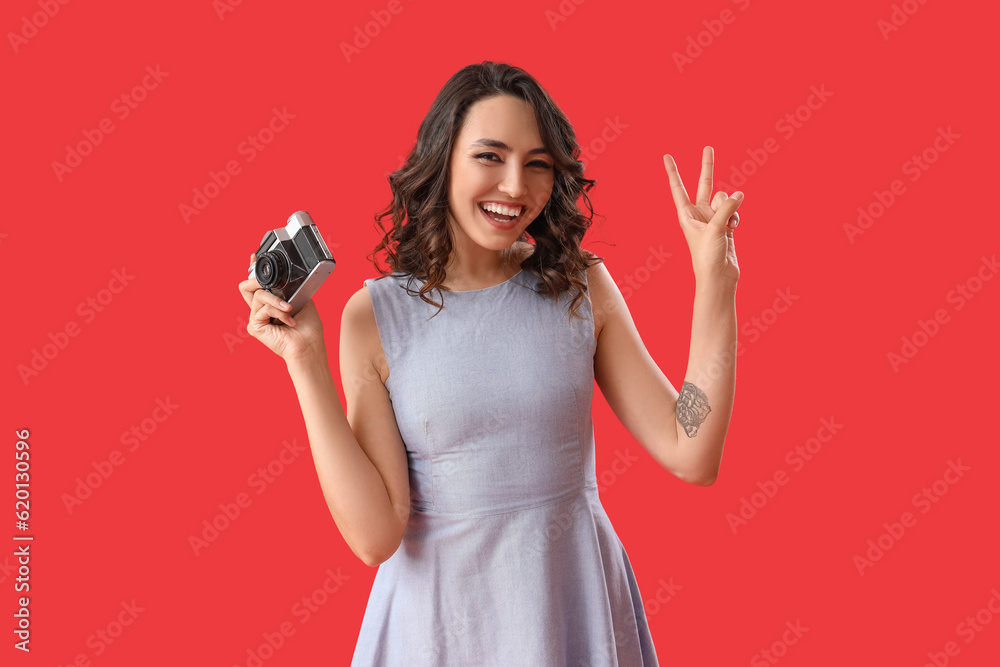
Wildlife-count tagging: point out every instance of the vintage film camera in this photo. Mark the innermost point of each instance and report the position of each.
(292, 262)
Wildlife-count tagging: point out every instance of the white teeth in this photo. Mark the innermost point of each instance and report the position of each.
(498, 208)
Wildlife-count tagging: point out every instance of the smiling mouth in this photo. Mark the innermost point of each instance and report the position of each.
(501, 217)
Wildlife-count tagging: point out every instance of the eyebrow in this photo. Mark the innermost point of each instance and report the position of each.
(496, 143)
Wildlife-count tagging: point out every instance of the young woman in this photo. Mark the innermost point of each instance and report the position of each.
(464, 464)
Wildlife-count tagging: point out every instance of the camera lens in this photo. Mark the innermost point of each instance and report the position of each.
(271, 270)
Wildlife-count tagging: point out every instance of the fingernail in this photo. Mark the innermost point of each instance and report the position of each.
(285, 304)
(737, 195)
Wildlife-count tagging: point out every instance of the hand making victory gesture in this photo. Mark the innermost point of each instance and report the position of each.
(708, 224)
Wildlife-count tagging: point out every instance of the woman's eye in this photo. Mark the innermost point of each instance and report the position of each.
(537, 163)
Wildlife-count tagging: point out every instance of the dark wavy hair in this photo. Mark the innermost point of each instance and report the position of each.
(423, 245)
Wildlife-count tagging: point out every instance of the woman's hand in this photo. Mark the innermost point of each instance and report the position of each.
(707, 225)
(303, 334)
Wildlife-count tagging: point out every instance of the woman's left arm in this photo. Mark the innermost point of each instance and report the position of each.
(684, 432)
(705, 403)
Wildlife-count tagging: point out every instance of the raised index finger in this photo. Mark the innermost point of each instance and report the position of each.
(680, 195)
(705, 182)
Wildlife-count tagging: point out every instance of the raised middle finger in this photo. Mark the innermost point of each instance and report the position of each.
(705, 181)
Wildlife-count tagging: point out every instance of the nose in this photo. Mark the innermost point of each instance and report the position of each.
(513, 184)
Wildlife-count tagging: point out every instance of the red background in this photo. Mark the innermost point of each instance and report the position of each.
(175, 329)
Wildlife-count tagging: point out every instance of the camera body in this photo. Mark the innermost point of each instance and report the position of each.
(293, 261)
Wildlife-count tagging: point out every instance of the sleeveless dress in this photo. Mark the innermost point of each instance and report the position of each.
(508, 558)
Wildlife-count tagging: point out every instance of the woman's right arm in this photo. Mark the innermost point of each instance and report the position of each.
(360, 457)
(361, 460)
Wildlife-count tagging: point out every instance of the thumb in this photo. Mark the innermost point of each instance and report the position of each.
(728, 206)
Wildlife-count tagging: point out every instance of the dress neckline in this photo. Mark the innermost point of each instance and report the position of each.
(483, 289)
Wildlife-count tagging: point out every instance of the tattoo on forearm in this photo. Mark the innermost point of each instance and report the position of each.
(692, 408)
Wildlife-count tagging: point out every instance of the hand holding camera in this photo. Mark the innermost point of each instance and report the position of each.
(285, 272)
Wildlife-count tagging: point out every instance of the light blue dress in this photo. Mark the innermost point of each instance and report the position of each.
(508, 559)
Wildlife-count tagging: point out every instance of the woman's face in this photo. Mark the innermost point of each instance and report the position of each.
(498, 157)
